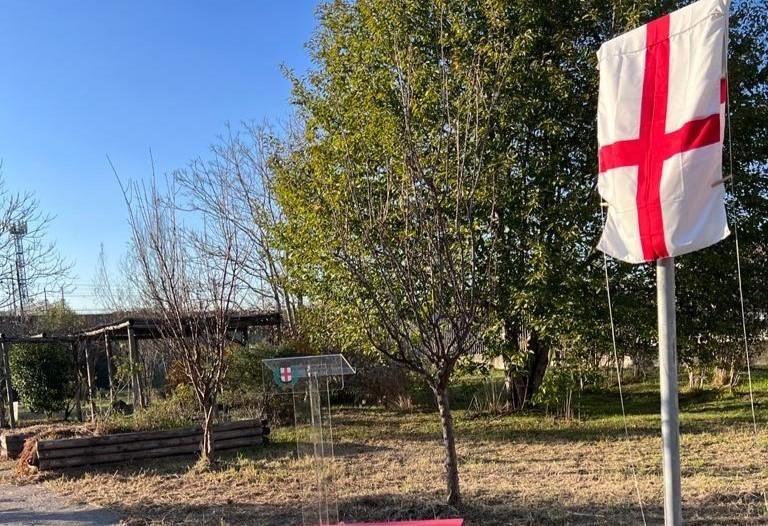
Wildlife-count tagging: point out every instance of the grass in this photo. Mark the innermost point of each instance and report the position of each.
(515, 469)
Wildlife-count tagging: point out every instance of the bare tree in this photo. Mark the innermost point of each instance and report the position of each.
(191, 277)
(235, 186)
(27, 276)
(113, 290)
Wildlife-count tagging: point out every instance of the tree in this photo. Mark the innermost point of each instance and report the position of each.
(235, 185)
(390, 200)
(42, 268)
(59, 318)
(710, 323)
(192, 280)
(113, 292)
(550, 292)
(42, 375)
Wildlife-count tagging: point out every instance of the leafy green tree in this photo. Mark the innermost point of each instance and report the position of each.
(42, 375)
(390, 200)
(709, 320)
(550, 293)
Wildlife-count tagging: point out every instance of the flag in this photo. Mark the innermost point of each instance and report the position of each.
(660, 134)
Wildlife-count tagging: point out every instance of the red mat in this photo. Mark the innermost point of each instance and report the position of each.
(443, 522)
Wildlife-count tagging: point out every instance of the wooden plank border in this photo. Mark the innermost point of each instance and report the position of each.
(128, 447)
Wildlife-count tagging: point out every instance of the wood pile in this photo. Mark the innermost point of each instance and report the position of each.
(130, 447)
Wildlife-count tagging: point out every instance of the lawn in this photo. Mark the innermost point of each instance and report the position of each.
(515, 469)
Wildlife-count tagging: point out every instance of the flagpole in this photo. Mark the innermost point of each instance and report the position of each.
(670, 423)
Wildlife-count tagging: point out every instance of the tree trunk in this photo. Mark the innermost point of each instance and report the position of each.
(206, 446)
(522, 383)
(449, 442)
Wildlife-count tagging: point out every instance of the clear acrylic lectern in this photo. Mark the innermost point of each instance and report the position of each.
(310, 380)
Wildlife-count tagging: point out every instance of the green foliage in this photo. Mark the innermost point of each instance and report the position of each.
(42, 374)
(178, 409)
(244, 368)
(59, 318)
(387, 197)
(557, 391)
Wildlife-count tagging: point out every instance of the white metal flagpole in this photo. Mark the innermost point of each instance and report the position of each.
(670, 423)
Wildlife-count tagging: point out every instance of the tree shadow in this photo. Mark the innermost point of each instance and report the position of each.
(727, 509)
(86, 517)
(181, 464)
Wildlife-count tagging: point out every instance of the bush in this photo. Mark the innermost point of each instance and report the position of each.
(377, 383)
(178, 409)
(556, 391)
(248, 388)
(42, 375)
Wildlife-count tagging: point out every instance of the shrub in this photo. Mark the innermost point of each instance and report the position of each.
(178, 409)
(556, 391)
(490, 398)
(248, 388)
(377, 383)
(42, 375)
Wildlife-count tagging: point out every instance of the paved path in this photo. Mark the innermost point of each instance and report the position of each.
(34, 505)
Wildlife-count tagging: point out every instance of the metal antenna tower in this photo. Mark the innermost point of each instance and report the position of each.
(18, 230)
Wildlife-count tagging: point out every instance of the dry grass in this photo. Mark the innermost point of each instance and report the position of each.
(514, 469)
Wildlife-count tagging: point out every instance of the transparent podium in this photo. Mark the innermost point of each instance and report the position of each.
(311, 380)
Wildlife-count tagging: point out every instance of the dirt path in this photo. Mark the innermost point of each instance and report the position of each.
(35, 505)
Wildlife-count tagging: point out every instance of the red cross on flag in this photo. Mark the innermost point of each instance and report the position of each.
(286, 374)
(660, 133)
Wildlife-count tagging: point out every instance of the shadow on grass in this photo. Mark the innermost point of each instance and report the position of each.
(587, 431)
(702, 412)
(225, 460)
(18, 517)
(730, 509)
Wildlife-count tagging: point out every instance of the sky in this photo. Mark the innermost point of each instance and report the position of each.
(84, 79)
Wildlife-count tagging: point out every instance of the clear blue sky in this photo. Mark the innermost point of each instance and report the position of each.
(83, 79)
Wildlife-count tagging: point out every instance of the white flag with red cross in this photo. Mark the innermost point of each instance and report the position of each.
(660, 133)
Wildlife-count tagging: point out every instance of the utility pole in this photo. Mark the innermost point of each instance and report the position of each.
(18, 230)
(670, 420)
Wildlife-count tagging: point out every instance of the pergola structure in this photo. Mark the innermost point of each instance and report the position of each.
(131, 329)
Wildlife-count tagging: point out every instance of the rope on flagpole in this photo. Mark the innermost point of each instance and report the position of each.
(738, 263)
(627, 439)
(618, 379)
(738, 272)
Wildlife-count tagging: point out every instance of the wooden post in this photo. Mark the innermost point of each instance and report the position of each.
(78, 382)
(138, 397)
(3, 420)
(2, 404)
(108, 348)
(89, 376)
(7, 375)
